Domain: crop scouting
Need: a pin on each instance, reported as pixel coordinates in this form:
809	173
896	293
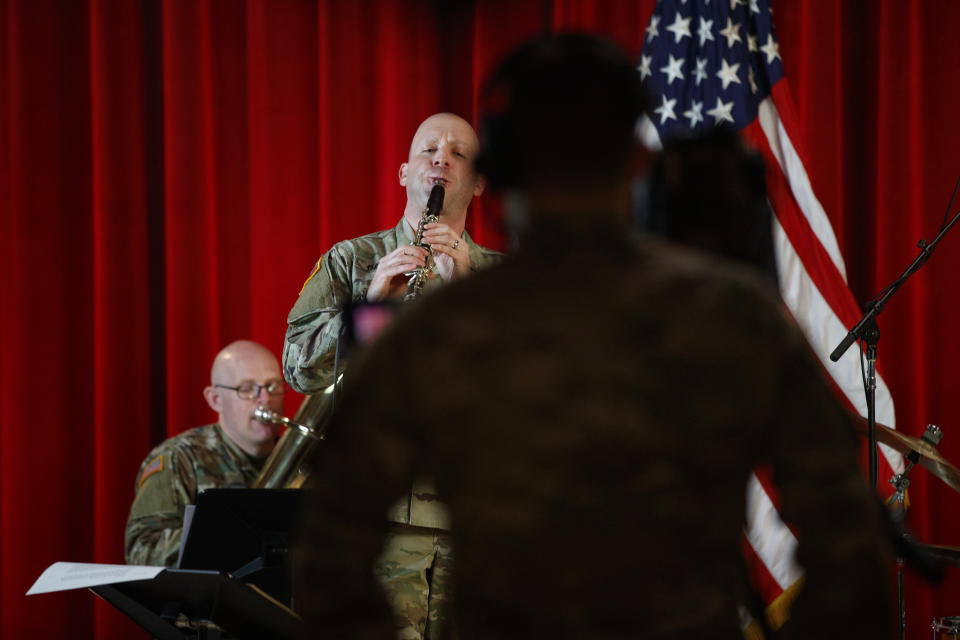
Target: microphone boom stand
866	330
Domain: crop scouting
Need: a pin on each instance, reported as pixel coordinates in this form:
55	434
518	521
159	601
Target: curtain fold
46	435
122	378
171	171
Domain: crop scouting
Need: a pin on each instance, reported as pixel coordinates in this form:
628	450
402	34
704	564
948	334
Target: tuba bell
287	467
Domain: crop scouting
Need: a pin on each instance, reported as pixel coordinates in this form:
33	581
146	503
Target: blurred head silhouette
557	126
709	192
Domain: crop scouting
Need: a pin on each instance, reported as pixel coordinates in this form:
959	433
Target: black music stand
240	610
247	533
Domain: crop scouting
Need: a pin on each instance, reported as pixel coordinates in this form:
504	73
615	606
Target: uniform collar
239	454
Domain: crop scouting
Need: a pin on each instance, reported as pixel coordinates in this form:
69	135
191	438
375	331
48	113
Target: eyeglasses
251	390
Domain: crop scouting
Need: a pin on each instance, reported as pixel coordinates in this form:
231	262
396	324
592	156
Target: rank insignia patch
310	277
152	467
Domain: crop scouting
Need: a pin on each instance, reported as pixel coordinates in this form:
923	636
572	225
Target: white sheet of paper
187	521
62	576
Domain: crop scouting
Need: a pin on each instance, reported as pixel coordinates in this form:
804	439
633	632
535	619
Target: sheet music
63	576
187	519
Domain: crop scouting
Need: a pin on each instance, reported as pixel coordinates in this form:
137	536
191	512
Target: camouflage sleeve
314	324
486	258
155	524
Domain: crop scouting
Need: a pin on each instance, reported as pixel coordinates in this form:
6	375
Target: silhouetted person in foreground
591	409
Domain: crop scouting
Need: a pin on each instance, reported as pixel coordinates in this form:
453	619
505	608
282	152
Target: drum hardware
897	516
925	450
915	450
948	626
912	448
943	553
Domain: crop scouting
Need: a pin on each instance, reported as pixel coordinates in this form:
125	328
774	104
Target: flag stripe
792	164
763	582
824	273
824	330
771	539
816	296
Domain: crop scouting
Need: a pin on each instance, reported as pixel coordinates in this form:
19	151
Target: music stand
241	610
247	533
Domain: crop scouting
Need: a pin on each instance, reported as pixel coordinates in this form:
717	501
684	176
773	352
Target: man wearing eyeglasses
229	453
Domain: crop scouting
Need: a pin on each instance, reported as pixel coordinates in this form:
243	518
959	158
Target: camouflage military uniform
342	276
594	456
170	478
415	563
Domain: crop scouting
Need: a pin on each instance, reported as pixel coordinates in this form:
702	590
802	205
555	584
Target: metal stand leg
898	513
901	608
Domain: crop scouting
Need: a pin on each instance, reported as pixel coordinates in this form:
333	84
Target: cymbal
930	458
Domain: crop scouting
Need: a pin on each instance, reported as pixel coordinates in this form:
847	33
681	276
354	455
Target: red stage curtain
170	172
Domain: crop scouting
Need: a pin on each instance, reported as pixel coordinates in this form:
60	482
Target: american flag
718	63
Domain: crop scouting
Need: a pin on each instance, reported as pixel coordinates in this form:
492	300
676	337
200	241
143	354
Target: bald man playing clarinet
414	567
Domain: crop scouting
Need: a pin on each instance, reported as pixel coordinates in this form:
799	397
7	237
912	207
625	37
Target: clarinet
431	213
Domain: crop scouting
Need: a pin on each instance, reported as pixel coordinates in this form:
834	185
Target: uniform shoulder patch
310	277
152	467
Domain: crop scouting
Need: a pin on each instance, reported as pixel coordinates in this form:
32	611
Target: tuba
431	213
287	467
